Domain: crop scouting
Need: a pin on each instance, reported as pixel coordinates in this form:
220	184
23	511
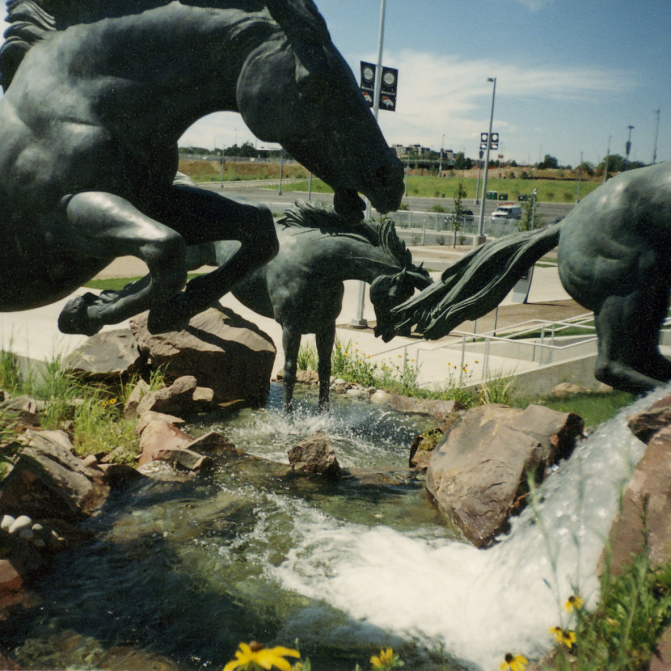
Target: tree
530	217
549	162
459	211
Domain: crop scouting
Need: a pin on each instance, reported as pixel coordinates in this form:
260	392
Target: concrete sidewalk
34	333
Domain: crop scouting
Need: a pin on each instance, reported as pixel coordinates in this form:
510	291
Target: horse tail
476	284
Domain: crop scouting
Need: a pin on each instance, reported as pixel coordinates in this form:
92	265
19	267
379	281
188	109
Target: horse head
389	290
299	91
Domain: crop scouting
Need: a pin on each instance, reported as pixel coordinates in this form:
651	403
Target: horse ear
299	19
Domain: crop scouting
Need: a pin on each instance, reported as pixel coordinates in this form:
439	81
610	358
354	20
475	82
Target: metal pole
481	226
223	160
359	319
440	164
627	149
279	193
407	169
605	177
310	187
477	188
654	151
577	197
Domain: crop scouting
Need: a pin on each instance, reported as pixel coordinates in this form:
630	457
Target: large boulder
48	480
225	352
315	455
424	406
183	396
647	498
106	354
478	472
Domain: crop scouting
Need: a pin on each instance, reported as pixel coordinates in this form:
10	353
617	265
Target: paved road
269	194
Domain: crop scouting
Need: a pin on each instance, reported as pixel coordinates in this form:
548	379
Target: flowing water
180	573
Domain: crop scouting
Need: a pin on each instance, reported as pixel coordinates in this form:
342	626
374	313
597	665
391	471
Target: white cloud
450	94
535	5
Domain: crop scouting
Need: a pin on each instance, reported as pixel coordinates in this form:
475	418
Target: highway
267	192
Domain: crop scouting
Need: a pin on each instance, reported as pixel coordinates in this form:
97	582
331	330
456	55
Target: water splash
477	604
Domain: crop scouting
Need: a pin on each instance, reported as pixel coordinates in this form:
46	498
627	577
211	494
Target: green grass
91	413
549	191
118	283
594	408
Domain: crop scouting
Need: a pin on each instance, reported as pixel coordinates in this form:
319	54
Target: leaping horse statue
613	259
98	93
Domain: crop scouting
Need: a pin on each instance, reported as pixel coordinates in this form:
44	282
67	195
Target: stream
181	572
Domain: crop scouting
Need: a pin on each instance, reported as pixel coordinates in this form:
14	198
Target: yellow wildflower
564	636
386	660
514	662
255	655
573	602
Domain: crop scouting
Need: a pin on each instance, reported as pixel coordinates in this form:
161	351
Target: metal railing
545	344
427	227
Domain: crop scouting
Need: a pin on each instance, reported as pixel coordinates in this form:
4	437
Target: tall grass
91	413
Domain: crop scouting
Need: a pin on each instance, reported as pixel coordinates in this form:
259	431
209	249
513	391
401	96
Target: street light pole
359	320
440	164
627	148
607	158
654	151
481	227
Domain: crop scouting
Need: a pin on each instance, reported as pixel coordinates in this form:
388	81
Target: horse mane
29	23
306	214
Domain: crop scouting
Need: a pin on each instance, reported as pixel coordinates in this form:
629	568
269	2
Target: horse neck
356	260
191	54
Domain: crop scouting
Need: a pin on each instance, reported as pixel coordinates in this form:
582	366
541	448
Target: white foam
478	604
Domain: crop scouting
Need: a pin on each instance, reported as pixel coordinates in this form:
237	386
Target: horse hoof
74	317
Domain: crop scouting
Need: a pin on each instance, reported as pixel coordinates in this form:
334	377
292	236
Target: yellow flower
384	659
573	602
256	655
514	663
564	636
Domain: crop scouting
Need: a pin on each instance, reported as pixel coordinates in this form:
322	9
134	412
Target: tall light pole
627	148
440	164
605	177
359	320
577	196
481	227
654	151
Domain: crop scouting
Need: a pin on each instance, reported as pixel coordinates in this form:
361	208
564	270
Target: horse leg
107	225
325	339
291	342
628	331
202	216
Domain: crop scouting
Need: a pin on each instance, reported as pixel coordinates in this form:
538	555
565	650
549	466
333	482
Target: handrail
546	350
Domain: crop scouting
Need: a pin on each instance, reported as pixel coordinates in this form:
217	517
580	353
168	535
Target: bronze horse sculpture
613	259
302	287
97	95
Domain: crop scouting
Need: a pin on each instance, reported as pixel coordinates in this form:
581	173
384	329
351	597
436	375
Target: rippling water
183	572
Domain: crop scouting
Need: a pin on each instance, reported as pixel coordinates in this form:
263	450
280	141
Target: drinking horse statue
302	287
97	95
613	259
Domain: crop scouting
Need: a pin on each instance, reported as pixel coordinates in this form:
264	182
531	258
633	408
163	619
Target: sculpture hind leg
628	330
107	225
324	340
291	342
202	216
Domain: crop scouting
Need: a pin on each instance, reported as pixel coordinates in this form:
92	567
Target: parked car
507	211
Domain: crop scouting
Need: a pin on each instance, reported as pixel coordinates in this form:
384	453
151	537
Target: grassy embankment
552	188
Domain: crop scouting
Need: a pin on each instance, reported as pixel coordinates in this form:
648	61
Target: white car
507	212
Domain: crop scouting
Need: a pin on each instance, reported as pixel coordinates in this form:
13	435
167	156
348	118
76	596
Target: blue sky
570	74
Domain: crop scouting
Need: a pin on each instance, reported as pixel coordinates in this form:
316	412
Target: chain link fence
437	228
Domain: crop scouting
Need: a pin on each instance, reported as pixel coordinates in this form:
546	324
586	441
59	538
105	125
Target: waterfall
477	605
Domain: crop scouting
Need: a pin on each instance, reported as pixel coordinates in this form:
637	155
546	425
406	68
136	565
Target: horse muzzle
386	187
